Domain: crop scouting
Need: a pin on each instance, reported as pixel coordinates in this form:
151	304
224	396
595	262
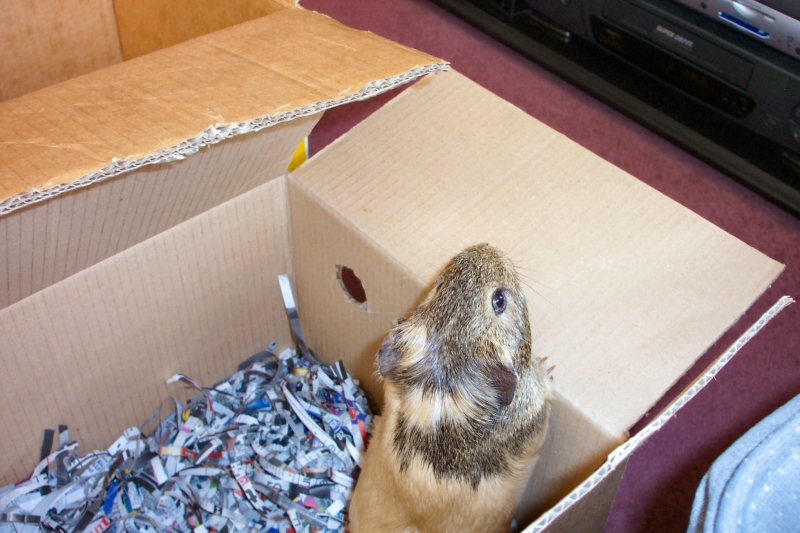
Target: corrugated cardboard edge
213	135
622	453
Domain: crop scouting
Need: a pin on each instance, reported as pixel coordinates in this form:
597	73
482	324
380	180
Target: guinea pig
466	407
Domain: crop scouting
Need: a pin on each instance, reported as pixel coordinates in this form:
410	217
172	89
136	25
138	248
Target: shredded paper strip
273	448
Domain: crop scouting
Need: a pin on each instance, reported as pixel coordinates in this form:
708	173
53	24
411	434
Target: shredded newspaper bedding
273	448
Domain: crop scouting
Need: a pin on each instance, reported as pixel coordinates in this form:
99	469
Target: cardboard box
146	214
49	41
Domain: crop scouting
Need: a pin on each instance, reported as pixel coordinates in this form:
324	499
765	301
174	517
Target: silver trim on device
763	23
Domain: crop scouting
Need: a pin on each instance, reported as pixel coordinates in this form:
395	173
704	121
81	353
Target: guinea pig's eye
499	301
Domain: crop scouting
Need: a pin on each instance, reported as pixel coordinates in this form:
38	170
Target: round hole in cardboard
351	286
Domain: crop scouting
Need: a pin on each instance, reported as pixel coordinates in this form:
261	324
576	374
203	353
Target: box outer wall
342	188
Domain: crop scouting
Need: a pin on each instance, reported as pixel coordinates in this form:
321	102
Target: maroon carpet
659	484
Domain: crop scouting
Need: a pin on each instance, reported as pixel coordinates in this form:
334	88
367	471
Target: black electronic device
721	78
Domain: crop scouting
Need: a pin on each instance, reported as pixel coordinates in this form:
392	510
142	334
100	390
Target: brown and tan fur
466	407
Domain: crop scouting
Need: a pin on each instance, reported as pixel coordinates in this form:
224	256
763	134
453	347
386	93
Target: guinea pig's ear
388	356
504	382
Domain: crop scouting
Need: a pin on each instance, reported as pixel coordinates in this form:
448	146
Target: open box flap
173	101
626	287
273	76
